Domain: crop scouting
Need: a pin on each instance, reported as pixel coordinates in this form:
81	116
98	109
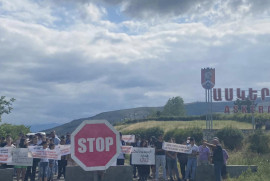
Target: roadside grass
248	158
169	125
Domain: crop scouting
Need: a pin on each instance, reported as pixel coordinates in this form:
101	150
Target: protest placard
20	156
128	138
5	154
39	152
126	149
143	156
176	148
64	149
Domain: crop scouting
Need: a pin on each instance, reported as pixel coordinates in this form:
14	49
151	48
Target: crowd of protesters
42	169
46	169
166	161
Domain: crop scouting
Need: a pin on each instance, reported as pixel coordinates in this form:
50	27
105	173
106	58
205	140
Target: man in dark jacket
218	159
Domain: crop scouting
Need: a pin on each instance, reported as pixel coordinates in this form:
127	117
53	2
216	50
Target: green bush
259	142
13	130
146	133
181	135
231	137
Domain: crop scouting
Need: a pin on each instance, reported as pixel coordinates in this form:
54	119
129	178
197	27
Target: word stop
94	144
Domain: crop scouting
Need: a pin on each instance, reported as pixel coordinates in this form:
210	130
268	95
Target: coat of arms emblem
208	78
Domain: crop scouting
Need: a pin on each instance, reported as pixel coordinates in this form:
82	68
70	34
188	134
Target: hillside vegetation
170	125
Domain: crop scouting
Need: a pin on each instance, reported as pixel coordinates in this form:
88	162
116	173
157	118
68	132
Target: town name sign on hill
250	94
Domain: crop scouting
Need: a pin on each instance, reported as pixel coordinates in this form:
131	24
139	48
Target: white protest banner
39	152
20	156
143	156
5	154
64	149
126	149
128	138
176	148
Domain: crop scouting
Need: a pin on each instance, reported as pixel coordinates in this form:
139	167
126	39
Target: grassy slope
239	157
168	125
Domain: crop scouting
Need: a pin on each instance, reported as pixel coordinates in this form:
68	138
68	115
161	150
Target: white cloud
63	70
27	10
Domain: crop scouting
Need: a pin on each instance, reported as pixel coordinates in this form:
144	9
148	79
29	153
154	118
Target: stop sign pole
95	145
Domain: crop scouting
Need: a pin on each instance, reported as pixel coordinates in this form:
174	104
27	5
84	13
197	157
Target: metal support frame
209	105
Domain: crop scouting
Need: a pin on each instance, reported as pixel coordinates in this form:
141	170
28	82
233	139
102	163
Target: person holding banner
160	157
21	170
192	160
32	174
44	164
143	170
172	162
121	157
9	144
51	164
62	164
182	159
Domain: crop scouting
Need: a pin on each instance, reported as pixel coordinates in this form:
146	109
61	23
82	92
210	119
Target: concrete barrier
207	172
6	174
114	173
237	170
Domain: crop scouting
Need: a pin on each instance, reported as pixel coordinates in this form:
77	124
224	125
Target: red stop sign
95	145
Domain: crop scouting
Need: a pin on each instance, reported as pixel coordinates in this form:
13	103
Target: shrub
145	133
13	130
259	142
231	137
182	134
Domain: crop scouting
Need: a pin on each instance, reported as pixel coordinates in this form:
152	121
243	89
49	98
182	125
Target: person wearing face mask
192	161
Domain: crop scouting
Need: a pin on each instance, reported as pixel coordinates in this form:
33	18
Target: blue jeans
161	160
191	168
217	168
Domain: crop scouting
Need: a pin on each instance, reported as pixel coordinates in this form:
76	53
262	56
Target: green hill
192	109
111	116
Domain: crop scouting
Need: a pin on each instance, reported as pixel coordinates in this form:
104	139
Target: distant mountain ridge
38	127
111	116
192	109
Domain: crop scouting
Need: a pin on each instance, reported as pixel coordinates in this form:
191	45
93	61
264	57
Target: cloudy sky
68	59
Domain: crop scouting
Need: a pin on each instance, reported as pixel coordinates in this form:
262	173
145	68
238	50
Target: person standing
21	170
224	167
134	167
51	164
68	142
9	144
160	157
31	171
192	160
151	144
182	159
56	140
204	154
121	157
172	162
218	159
44	164
62	164
143	170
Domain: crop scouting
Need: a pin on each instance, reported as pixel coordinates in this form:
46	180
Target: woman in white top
44	164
